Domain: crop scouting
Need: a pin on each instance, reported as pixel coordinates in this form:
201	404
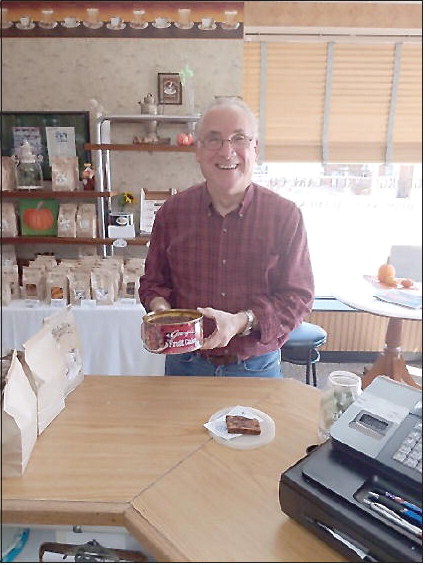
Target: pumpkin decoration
386	274
38	217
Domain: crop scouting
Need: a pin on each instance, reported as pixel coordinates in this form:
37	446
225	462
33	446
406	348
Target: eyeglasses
237	141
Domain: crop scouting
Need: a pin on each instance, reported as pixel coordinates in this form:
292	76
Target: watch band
250	323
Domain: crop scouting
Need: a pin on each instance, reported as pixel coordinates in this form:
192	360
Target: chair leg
314	375
307	371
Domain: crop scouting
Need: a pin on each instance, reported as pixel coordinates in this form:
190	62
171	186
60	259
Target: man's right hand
158	304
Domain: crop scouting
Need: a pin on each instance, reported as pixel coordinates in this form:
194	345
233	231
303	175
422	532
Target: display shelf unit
74	194
151	147
54	240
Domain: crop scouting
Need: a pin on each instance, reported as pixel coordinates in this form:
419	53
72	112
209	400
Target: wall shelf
78	194
53	240
140	147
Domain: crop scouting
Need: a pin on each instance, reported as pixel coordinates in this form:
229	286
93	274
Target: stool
301	348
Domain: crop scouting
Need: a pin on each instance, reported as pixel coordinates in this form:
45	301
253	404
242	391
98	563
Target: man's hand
227	326
158	304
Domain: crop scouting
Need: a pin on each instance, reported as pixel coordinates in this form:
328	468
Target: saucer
77	23
161	26
209	28
116	28
6	25
47	25
20	26
229	27
138	26
184	26
93	25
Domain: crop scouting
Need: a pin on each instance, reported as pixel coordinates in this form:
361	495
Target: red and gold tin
172	331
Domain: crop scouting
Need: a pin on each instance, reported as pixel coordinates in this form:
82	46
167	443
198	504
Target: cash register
361	490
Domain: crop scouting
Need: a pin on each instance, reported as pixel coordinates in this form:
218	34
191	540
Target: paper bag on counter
18	419
65	331
47	371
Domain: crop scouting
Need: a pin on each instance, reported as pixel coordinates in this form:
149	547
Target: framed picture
169	88
34	126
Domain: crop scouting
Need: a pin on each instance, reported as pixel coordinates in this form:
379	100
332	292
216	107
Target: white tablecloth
109	335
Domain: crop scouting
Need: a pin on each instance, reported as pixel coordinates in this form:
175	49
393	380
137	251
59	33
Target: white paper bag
48	373
65	331
18	419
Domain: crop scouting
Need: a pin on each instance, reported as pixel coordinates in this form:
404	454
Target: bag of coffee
18	419
67	222
8	177
79	286
33	283
9	222
102	284
57	285
86	220
65	173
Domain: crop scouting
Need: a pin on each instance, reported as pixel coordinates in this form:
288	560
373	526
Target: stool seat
301	347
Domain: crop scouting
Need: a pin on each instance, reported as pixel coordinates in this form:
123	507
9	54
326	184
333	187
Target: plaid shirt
255	257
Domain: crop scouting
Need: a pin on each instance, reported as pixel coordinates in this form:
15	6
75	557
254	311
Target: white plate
47	25
245	441
20	26
6	25
209	28
93	25
77	23
184	26
161	26
229	27
138	26
116	28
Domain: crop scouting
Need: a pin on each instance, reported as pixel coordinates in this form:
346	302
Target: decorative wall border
177	20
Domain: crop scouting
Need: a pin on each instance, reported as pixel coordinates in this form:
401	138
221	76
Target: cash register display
371	423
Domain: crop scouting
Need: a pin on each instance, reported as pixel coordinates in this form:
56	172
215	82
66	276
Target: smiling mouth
227	167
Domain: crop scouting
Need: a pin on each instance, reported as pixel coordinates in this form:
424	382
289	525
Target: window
353	213
340	126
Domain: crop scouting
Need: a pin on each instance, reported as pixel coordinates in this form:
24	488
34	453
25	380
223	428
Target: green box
38	216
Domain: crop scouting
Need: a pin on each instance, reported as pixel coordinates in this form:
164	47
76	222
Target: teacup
161	22
47	17
70	21
138	16
25	21
207	23
116	21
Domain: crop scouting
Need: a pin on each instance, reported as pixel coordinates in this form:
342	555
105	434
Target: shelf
140	147
160	118
51	240
34	193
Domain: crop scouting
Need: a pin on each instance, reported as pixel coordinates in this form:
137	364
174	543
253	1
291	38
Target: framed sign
169	88
34	126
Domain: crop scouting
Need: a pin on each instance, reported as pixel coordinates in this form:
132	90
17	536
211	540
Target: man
234	250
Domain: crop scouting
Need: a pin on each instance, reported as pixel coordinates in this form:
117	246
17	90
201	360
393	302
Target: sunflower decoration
125	199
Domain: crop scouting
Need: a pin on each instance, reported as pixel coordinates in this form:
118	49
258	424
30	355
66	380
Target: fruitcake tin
172	331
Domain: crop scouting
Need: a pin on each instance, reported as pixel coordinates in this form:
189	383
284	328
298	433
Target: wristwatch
251	317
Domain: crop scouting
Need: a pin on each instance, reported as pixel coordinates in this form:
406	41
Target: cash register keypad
410	451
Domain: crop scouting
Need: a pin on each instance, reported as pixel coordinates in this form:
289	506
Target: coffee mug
230	17
138	16
184	16
47	16
92	15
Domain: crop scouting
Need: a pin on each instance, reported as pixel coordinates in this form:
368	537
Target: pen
393	517
401	500
397	507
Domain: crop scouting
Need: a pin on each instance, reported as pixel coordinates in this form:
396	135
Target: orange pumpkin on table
386	274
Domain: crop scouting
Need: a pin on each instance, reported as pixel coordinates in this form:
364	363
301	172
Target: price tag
58	302
31	303
87	303
127	301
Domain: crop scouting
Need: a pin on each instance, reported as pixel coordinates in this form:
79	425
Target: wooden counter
133	452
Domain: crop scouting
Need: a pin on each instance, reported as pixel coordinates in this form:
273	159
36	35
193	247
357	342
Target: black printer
361	490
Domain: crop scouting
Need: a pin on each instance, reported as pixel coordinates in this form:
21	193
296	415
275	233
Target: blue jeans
193	365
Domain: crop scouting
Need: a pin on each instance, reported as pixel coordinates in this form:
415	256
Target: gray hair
229	102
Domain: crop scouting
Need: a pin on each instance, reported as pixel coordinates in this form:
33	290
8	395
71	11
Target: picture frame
169	88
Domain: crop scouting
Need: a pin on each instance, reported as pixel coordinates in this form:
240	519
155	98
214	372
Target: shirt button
223	294
224	261
225	230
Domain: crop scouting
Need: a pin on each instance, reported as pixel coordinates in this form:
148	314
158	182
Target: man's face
226	167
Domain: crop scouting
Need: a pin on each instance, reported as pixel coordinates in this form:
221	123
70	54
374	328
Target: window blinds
336	102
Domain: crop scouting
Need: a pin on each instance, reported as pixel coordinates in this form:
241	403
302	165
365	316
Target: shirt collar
243	206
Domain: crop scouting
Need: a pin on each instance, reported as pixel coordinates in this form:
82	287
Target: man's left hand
227	326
